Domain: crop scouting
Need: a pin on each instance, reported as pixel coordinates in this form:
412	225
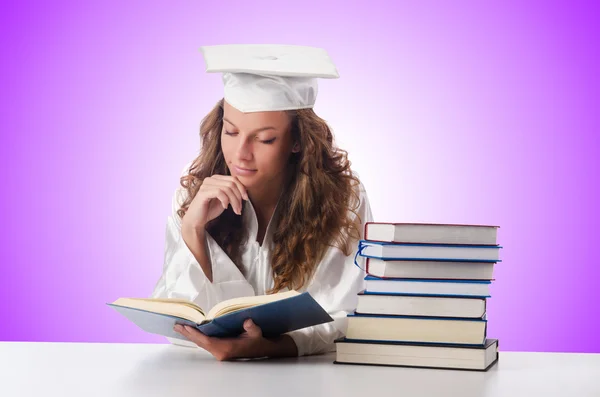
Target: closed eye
267	142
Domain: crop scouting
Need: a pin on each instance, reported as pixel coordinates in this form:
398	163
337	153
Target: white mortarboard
267	77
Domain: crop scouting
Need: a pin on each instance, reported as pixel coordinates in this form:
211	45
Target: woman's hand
214	196
250	344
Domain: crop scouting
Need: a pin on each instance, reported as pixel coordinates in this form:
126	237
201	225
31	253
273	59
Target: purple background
451	112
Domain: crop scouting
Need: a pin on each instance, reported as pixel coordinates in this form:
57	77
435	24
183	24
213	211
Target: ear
296	148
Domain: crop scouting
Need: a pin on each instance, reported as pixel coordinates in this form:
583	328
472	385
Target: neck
264	199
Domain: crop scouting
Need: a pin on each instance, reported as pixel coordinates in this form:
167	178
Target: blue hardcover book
424	251
428	287
275	314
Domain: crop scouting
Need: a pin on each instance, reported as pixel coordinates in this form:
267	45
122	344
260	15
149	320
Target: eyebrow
255	131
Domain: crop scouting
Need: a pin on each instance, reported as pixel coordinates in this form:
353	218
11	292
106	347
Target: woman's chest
256	267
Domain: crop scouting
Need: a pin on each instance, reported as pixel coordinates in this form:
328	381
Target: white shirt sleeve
335	286
183	278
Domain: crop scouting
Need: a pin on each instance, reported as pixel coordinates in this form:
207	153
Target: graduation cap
268	77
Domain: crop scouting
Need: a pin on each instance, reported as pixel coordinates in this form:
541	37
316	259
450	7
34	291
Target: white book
410	305
430	269
416	329
436	233
472	288
440	356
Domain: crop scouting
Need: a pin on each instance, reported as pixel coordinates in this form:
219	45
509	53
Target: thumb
252	329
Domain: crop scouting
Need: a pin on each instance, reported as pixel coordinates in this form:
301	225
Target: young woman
270	204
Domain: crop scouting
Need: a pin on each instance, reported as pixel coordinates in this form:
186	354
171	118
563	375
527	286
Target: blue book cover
450	296
274	318
391	251
428	287
427	280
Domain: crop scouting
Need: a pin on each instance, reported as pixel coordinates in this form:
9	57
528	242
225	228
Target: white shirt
334	285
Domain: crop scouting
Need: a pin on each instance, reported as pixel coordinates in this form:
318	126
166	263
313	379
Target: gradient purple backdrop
451	112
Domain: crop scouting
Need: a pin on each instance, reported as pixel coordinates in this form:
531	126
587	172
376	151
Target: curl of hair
320	199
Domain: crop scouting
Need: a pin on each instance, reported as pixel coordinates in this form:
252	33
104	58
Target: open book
275	314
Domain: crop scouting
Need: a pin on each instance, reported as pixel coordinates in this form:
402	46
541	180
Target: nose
244	150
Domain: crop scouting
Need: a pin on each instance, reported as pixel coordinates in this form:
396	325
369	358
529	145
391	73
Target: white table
80	369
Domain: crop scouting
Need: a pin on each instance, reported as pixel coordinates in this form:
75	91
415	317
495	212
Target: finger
252	329
231	189
220	349
235	187
240	186
234	199
211	193
222	196
226	198
198	337
194	335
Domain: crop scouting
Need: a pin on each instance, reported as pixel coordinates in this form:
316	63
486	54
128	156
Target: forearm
282	346
196	241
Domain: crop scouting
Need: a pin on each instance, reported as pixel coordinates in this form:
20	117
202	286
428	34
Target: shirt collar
251	220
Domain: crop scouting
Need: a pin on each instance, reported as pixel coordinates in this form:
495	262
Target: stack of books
424	304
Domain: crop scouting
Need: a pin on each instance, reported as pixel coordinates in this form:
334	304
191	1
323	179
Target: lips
243	171
244	168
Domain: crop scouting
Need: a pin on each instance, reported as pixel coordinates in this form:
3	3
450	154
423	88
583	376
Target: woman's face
256	146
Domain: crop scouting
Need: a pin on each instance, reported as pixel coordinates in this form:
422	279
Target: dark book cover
488	343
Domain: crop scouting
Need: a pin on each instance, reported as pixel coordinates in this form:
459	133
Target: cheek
271	159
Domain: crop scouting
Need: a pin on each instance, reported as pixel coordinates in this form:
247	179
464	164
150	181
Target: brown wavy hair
319	198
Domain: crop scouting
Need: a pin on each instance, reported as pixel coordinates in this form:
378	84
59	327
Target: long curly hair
319	199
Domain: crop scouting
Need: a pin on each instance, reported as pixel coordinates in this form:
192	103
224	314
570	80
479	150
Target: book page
235	304
173	300
173	307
